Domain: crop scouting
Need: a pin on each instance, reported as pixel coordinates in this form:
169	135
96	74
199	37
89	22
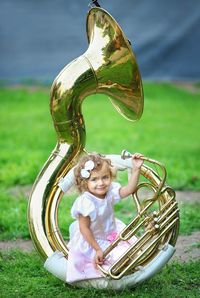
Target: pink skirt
81	266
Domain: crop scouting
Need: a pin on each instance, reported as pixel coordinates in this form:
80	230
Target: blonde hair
99	160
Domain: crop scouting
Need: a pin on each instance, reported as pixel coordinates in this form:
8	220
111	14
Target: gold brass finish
109	67
159	227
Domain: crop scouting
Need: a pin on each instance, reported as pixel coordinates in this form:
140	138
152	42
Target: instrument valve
155	213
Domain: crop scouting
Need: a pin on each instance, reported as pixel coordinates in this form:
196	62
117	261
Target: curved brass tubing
109	67
159	227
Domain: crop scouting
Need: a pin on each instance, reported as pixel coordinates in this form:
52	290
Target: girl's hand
98	259
137	161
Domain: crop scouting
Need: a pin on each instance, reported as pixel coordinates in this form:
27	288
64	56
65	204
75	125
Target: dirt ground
187	247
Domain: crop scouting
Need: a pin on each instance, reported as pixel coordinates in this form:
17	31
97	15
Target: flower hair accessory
85	172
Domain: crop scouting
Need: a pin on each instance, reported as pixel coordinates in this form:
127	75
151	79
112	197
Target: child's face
99	181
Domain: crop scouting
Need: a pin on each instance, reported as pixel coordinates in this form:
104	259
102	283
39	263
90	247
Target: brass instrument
109	67
156	223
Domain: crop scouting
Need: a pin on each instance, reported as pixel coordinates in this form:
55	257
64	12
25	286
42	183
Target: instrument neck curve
75	82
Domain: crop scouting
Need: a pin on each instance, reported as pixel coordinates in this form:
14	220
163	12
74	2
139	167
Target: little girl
95	226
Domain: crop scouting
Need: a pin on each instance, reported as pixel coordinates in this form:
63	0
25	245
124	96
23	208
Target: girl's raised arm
130	188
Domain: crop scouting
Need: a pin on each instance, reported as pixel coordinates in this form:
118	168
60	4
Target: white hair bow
85	172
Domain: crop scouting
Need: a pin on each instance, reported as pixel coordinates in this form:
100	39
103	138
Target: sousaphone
108	67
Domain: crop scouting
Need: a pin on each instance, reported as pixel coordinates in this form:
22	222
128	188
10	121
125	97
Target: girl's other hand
98	259
137	161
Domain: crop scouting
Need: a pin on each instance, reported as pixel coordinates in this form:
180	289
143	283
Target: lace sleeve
83	206
114	192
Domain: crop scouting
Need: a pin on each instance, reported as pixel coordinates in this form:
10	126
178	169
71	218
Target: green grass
27	135
13	221
167	131
22	275
189	217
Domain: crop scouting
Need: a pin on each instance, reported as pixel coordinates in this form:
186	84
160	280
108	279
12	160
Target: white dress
104	227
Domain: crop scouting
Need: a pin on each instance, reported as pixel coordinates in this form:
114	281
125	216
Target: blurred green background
168	131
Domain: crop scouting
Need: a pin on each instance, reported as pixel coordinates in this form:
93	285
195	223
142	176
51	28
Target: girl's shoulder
113	192
115	185
83	205
114	188
84	198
